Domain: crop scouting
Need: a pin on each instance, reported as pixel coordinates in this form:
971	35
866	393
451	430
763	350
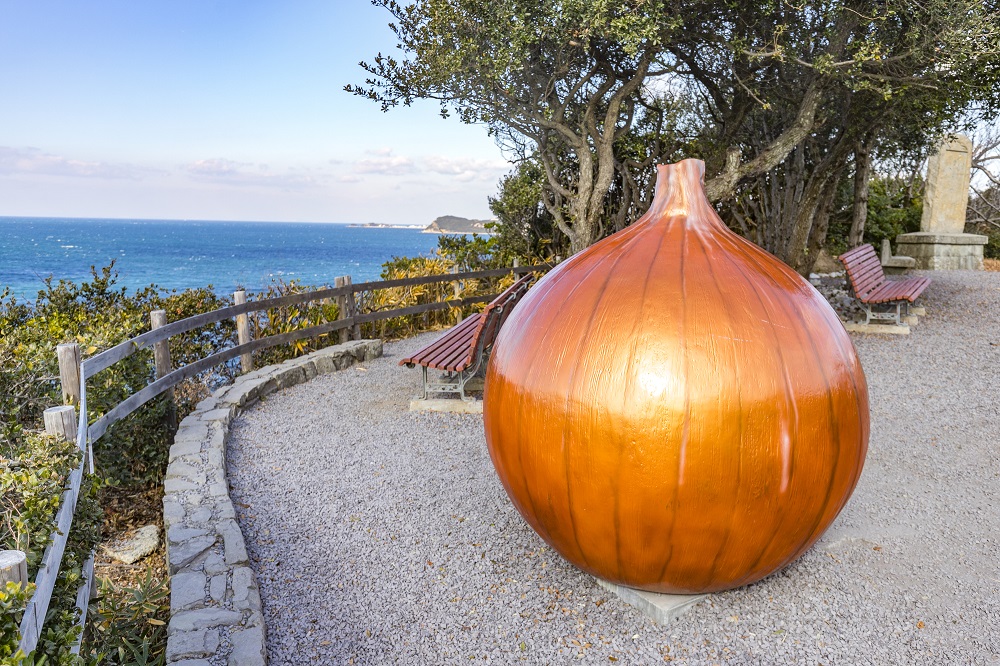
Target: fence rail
75	373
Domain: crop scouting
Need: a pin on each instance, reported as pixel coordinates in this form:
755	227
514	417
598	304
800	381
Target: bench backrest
460	347
496	313
864	269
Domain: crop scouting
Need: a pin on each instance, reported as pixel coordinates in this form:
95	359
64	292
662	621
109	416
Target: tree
745	85
984	208
525	229
983	214
843	81
560	80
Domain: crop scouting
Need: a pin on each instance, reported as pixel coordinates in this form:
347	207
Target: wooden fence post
517	262
13	567
352	308
457	292
69	372
243	330
161	359
61	422
345	334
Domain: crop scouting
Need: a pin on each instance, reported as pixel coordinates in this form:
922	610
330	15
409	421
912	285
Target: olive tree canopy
742	84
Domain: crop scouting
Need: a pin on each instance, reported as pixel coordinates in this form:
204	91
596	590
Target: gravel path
380	536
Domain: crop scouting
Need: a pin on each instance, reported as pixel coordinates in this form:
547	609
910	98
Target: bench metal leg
896	317
424	368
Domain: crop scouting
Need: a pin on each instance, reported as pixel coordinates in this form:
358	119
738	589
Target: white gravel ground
381	536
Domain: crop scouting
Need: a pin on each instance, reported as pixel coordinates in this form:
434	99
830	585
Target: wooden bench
461	350
870	287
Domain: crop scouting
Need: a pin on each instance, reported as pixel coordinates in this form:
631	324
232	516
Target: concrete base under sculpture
943	252
447	405
660	608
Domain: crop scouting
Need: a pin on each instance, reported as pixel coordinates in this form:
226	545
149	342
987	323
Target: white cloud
34	161
386	165
231	172
461	169
465	169
216	168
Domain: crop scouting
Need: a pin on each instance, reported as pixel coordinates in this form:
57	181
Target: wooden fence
75	372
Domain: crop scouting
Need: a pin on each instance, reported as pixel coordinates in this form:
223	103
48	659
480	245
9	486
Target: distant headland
446	224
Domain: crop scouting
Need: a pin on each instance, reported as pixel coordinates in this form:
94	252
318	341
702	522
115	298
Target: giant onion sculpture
674	409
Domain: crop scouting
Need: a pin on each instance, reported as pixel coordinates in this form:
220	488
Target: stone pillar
941	244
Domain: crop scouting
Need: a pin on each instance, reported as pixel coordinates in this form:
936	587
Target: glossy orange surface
673	408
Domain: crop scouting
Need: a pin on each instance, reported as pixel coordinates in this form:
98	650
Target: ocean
182	254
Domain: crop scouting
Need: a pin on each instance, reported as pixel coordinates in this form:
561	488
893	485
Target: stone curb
215	604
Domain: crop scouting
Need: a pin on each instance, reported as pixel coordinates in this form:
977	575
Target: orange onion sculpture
674	409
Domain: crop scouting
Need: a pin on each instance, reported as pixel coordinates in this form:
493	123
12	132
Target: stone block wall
942	252
215	604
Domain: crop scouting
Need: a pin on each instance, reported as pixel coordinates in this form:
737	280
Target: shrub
289	318
127	626
33	473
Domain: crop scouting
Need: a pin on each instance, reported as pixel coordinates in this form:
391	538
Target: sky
221	110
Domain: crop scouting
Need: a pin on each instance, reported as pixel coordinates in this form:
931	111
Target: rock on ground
131	549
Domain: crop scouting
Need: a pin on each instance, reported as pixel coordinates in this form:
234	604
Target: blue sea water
185	254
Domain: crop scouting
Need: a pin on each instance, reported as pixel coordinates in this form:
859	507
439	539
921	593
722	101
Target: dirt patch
127	509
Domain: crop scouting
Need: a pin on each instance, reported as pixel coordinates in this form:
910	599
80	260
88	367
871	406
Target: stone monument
941	243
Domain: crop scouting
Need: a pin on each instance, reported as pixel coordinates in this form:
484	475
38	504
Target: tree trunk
821	222
862	176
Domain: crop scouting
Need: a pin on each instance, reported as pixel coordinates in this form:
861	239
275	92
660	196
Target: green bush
290	318
892	210
33	473
128	627
13	599
97	314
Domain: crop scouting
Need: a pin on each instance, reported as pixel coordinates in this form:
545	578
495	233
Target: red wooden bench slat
489	325
863	262
864	270
456	349
464	329
853	251
866	282
902	290
442	345
867	264
455	357
448	349
461	355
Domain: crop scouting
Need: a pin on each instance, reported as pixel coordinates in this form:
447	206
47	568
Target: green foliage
892	211
475	253
992	248
525	229
775	96
96	314
894	208
33	472
289	318
99	314
127	627
399	268
454	254
13	599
